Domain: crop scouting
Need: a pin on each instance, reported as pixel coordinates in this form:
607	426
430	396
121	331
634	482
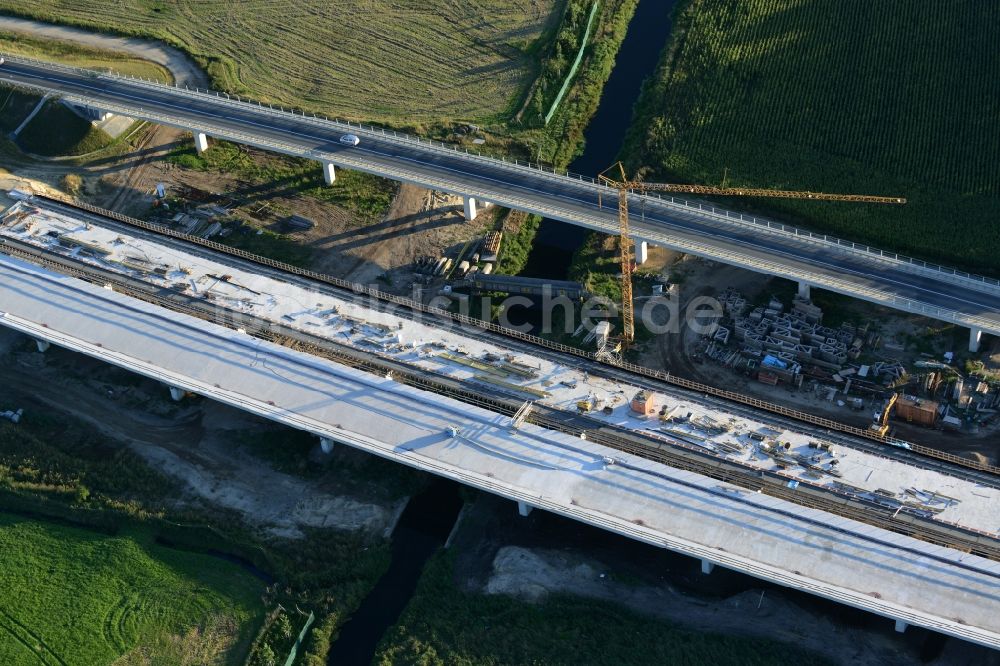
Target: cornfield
897	97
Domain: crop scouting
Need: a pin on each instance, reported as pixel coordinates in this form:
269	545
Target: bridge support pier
470	207
804	290
975	335
200	141
641	252
707	567
43	345
326	445
901	626
523	508
329	174
177	394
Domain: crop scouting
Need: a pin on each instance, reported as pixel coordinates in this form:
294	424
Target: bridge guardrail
979	282
732	217
603	225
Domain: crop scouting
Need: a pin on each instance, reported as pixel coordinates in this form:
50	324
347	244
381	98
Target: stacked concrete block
794	336
807	310
833	354
741	327
754	341
733	303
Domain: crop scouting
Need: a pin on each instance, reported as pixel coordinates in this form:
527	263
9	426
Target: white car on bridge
350	140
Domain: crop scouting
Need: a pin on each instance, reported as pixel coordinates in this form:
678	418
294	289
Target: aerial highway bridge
811	260
210	321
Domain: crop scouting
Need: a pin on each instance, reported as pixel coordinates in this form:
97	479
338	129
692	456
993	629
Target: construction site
848	397
874	368
804	439
54	232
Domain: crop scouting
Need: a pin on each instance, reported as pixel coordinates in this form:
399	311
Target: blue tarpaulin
774	362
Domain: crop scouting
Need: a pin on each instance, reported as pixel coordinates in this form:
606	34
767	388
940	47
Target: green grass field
59	472
71	596
443	625
398	62
15	105
897	98
367	196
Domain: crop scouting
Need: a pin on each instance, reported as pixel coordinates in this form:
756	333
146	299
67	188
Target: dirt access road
419	223
157	141
184	70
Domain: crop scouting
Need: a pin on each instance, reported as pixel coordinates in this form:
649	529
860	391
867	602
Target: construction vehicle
625	186
881	424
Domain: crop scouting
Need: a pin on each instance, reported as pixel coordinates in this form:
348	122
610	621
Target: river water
430	516
422	529
637	59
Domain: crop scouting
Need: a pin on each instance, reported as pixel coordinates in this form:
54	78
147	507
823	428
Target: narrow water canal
637	59
422	529
430	516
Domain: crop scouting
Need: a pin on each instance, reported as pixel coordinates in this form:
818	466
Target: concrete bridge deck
892	575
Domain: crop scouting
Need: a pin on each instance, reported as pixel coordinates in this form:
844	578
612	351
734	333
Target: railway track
660	448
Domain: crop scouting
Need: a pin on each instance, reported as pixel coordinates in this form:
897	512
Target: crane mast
624	185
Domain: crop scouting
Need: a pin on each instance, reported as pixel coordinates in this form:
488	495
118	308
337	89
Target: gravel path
184	69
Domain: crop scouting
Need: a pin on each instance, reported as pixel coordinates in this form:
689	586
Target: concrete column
326	444
523	508
177	394
641	252
43	345
707	567
470	208
804	290
901	626
975	335
329	175
200	141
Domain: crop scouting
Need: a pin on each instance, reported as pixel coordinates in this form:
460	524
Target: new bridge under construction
871	522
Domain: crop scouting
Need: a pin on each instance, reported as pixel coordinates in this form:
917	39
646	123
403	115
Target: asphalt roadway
564	198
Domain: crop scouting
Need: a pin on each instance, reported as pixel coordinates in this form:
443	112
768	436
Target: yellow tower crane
625	186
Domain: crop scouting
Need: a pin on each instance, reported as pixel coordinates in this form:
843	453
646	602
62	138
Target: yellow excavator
881	425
